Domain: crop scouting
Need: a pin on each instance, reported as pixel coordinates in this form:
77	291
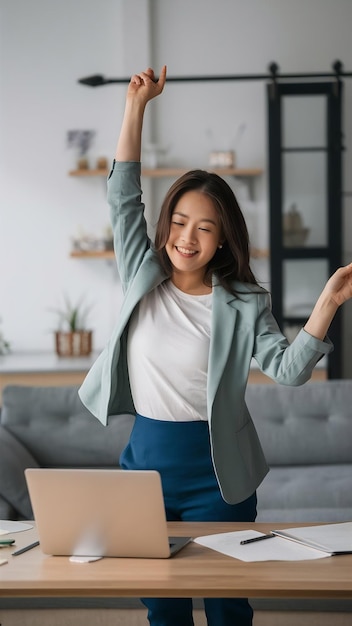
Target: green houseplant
4	345
72	338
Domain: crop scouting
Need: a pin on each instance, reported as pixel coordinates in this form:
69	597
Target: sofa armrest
14	459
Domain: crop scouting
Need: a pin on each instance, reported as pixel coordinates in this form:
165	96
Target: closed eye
177	223
207	230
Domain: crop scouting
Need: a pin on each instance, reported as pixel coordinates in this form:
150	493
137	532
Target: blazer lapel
147	278
223	322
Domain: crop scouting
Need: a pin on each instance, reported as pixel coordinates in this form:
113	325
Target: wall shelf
89	172
92	254
170	172
256	253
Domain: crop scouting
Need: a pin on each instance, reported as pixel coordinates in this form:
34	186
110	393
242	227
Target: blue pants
180	452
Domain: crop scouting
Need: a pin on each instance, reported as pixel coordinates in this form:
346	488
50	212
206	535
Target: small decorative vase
72	344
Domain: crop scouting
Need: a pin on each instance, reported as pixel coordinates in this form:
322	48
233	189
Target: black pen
259	538
26	548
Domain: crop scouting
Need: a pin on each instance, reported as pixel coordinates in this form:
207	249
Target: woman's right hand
144	86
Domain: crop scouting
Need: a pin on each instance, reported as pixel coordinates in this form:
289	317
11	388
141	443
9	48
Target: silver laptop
99	512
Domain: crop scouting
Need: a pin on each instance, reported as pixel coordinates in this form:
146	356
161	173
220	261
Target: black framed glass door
305	201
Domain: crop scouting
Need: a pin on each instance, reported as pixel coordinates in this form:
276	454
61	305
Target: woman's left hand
337	290
339	285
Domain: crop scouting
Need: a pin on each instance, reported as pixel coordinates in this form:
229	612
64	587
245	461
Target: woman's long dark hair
229	263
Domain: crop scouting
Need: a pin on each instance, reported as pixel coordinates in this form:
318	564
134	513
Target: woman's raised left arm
337	290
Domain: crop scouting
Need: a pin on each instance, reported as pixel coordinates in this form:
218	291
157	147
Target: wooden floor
134	617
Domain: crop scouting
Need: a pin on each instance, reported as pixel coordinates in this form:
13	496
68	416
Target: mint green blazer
242	328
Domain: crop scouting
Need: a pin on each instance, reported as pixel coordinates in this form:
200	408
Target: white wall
45	46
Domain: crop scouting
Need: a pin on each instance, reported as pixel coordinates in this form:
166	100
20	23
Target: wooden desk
195	572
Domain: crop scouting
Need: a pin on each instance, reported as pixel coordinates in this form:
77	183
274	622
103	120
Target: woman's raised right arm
142	88
124	185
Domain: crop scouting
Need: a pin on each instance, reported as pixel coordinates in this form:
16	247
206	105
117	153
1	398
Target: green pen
6	542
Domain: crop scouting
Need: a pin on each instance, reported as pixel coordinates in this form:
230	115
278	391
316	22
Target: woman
192	319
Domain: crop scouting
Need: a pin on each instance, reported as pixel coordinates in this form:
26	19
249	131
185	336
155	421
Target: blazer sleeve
131	241
288	364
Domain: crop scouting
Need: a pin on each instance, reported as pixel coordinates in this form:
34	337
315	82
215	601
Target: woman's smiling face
195	234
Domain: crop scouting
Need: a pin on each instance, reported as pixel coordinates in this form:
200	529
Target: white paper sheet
7	526
333	538
274	549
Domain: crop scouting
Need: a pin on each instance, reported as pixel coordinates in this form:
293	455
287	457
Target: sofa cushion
6	510
304	425
14	459
53	424
311	493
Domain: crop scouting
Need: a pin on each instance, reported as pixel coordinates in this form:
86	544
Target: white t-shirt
167	352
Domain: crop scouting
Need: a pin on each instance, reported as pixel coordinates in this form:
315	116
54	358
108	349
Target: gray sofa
306	434
49	427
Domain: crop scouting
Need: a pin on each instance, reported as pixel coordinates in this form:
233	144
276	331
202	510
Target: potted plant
72	337
4	345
